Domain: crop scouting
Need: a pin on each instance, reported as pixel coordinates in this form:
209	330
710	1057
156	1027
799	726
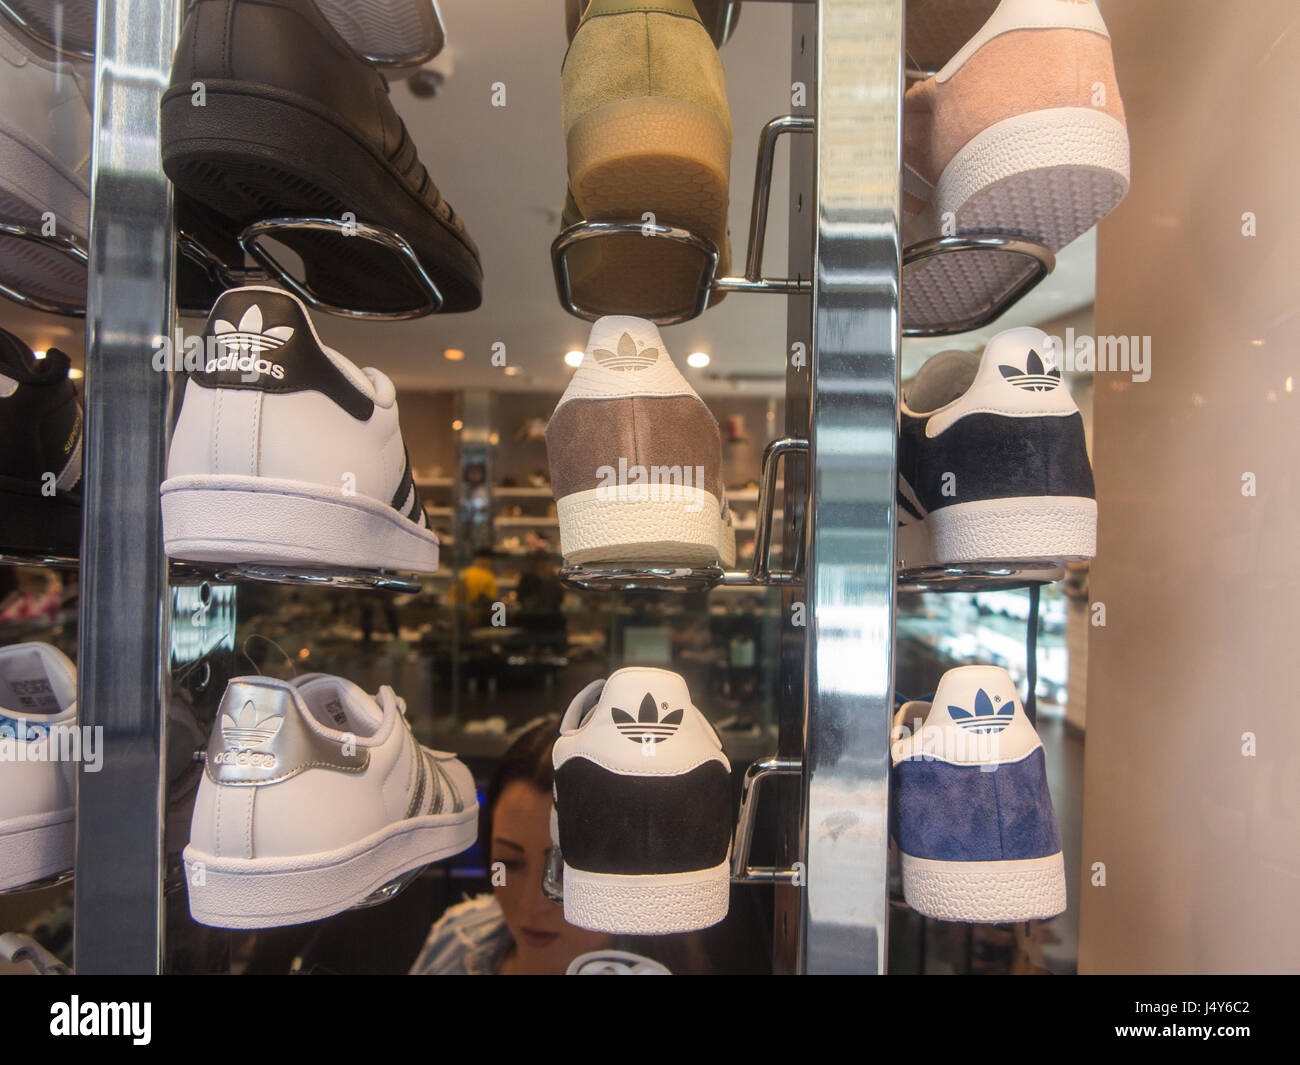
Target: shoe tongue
943	378
30	685
17	363
339	704
969	694
645	694
621	342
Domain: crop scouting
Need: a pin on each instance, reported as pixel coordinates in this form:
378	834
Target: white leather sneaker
286	452
642	808
315	796
38	693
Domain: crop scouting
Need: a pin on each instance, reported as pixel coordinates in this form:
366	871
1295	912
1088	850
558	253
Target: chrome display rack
190	573
70	247
641	576
1040	260
254	238
709	282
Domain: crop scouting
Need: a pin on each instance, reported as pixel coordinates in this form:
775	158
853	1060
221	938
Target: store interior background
470	683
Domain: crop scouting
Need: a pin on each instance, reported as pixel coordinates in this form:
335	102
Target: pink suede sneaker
1021	133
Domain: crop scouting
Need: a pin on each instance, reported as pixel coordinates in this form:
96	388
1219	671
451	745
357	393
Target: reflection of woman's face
521	837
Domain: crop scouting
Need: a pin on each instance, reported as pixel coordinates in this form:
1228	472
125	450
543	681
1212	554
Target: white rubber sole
1054	529
36	847
654	904
1046	176
985	892
387	31
228	518
271	892
677	525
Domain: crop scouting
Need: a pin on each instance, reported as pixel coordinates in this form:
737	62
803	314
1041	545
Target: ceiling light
38	354
454	354
75	374
514	371
494	439
574	358
698	359
457	426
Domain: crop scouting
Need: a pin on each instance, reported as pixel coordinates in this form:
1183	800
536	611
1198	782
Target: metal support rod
763	186
118	901
852	485
741	870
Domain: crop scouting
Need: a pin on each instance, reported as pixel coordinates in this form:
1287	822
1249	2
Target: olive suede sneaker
647	131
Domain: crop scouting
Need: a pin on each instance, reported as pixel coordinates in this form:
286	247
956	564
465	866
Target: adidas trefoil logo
647	727
1034	377
241	346
246	732
985	719
628	358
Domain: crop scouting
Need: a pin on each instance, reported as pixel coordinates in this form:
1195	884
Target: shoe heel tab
262	339
262	736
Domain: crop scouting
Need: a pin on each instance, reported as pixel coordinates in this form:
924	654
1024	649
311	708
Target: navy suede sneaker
972	815
992	463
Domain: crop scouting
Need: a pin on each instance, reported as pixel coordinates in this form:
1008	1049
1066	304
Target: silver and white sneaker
642	808
44	167
286	452
38	694
316	795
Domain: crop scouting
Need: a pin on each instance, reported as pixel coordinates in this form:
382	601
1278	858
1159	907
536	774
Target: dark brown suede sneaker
270	114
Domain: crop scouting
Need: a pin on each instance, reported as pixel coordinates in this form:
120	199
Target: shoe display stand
67	246
255	239
813	816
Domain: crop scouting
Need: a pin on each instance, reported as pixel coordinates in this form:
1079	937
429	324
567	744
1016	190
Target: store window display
410	510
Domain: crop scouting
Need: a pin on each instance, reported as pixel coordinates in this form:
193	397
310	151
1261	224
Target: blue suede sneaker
972	815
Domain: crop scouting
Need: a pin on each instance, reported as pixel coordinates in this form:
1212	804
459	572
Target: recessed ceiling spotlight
457	426
454	354
574	358
698	359
514	371
75	374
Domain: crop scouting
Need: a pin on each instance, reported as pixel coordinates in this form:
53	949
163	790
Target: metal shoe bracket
669	578
181	573
11	558
1043	263
980	576
741	871
752	281
251	241
31	31
69	246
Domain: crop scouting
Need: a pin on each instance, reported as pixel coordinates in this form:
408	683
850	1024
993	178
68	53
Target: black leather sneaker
40	453
270	114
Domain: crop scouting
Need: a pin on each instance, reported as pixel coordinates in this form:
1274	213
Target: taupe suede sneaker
636	457
647	130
